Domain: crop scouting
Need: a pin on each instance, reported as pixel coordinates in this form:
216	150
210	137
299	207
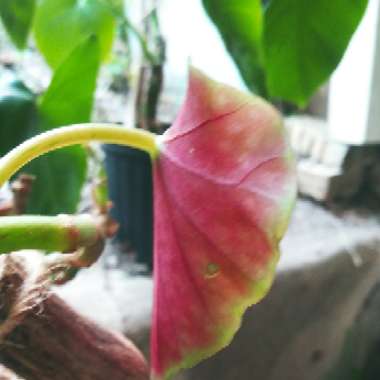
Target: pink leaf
224	187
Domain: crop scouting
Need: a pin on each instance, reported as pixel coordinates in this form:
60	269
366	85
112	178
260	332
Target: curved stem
71	135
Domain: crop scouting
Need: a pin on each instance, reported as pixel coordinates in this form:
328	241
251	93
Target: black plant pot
129	174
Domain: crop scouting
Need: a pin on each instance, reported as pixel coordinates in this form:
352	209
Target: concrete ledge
329	265
328	170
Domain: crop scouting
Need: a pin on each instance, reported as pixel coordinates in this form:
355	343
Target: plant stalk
62	233
71	135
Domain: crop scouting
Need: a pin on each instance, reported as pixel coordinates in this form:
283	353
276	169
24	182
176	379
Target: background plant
285	49
75	38
25	114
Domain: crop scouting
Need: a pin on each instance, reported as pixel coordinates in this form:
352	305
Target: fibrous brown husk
42	338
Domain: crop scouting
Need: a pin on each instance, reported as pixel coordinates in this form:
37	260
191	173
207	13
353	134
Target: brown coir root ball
42	338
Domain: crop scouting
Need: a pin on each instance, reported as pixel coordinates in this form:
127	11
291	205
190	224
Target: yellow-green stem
61	233
71	135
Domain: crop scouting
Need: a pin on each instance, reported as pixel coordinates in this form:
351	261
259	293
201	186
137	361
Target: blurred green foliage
17	113
304	41
17	17
61	174
240	24
74	36
60	25
286	49
69	97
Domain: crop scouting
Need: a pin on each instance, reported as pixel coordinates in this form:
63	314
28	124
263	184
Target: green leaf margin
17	18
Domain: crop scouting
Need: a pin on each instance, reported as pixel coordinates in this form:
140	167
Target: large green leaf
17	16
240	25
61	24
17	113
68	100
304	41
69	97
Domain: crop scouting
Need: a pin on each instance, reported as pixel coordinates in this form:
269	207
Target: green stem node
63	233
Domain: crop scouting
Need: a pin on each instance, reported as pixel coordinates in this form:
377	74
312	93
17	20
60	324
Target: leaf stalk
72	135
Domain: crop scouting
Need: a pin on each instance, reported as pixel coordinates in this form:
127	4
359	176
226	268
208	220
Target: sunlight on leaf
60	25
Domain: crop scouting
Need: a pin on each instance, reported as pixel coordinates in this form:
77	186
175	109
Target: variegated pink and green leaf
224	187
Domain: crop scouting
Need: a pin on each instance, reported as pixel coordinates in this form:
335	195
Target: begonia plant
224	187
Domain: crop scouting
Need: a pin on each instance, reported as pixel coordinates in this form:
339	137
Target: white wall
192	37
354	97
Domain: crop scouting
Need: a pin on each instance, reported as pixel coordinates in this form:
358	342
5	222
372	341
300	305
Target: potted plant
99	30
207	201
224	186
128	169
